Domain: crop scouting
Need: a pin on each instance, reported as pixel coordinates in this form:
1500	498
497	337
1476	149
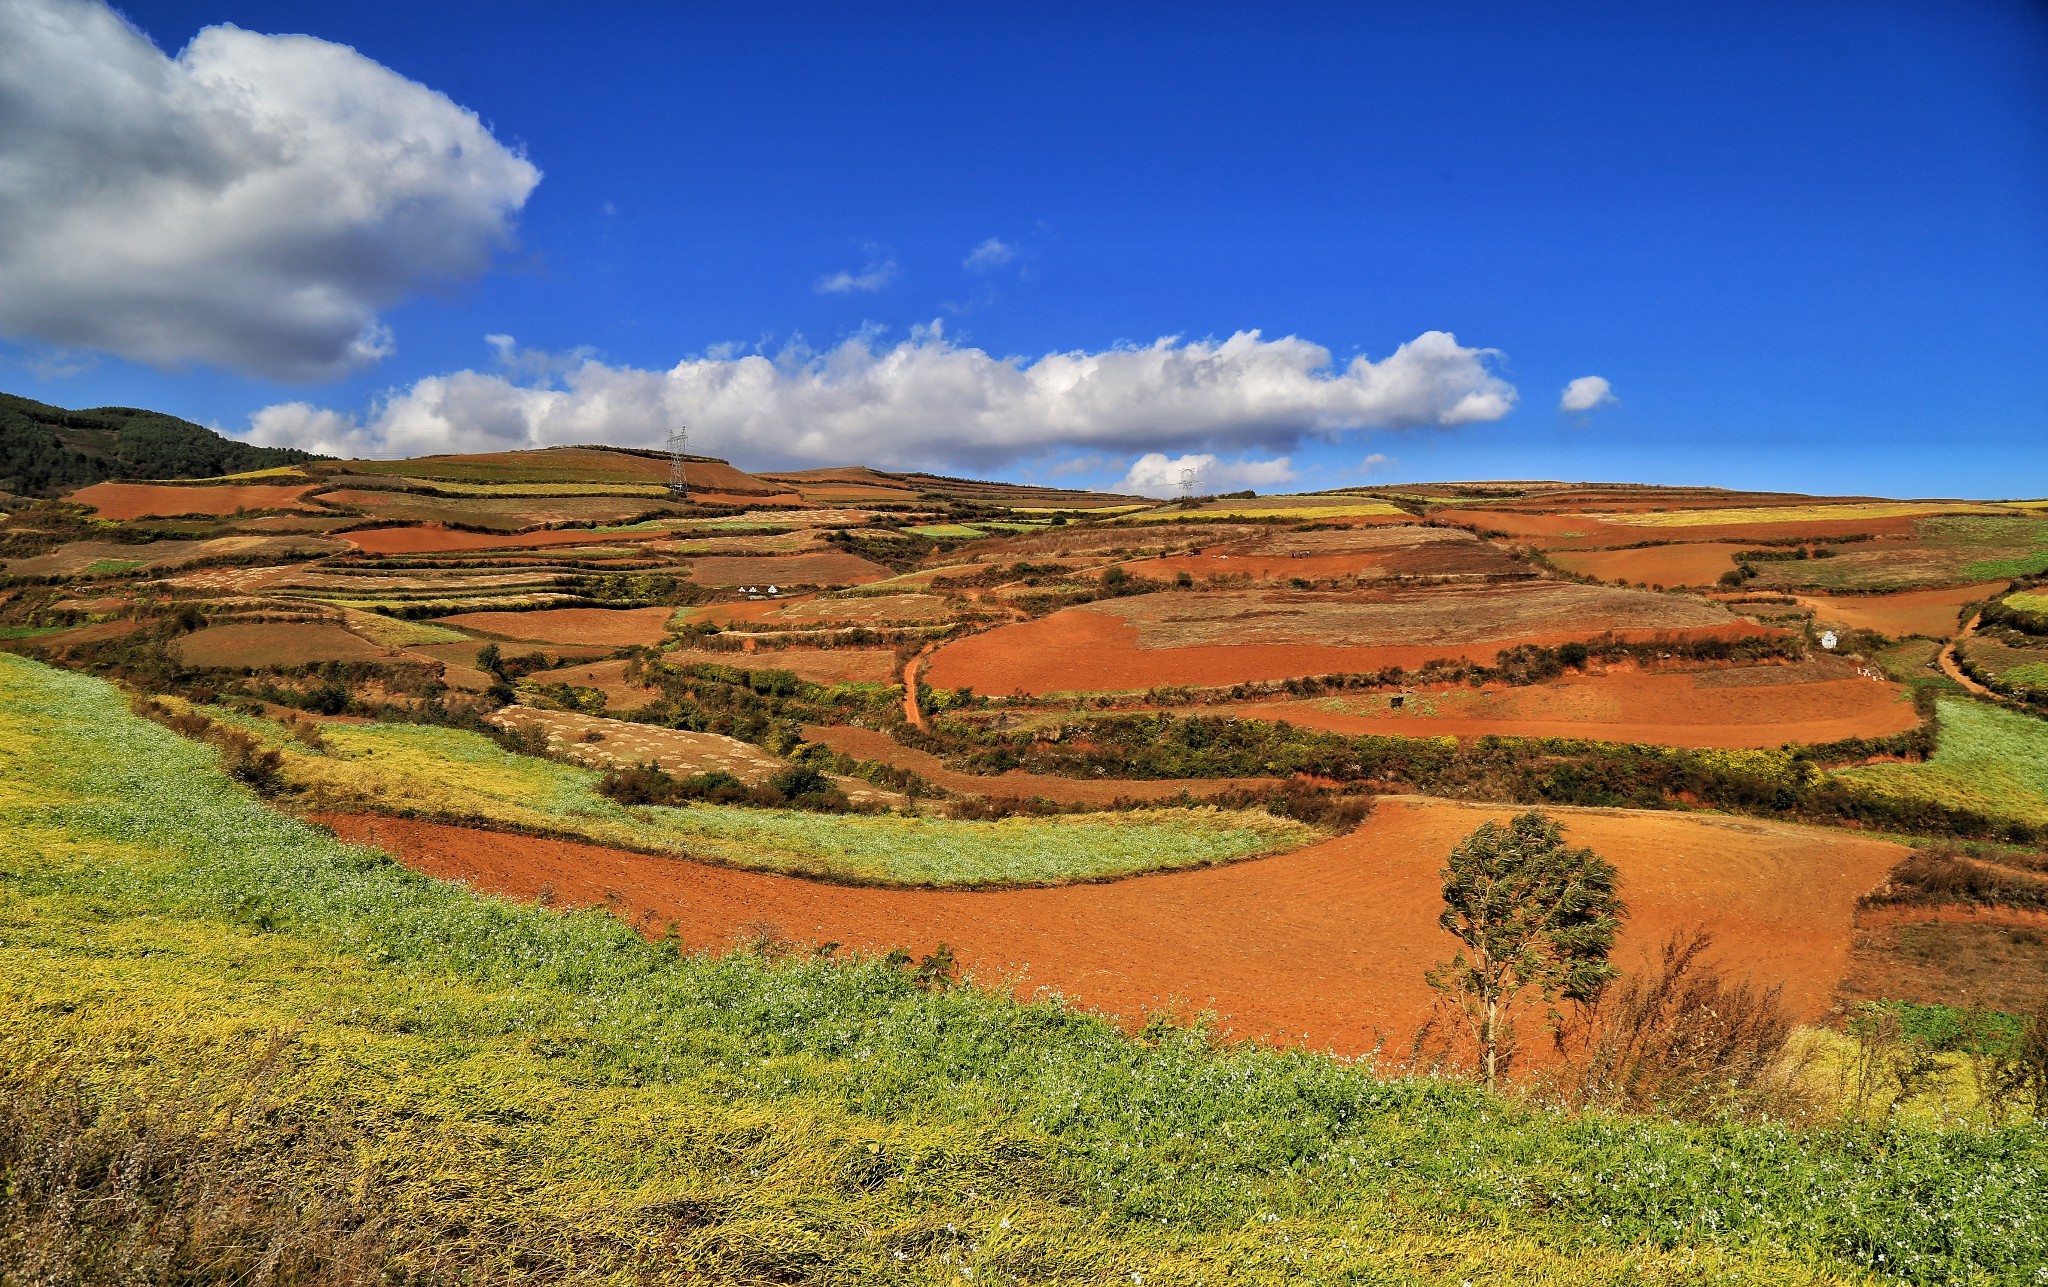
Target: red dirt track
1321	947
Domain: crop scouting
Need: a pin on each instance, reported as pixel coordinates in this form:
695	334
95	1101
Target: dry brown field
1931	613
818	665
1699	563
262	644
146	500
1825	700
827	568
609	627
503	514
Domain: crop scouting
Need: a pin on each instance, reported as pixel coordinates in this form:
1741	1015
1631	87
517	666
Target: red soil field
831	567
1700	563
615	627
145	500
274	643
1912	612
873	744
1089	650
1324	947
1759	706
432	538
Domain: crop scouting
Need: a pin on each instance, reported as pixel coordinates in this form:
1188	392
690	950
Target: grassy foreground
300	1054
449	773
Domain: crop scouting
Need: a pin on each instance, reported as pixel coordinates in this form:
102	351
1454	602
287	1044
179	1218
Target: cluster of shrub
243	757
1326	808
800	786
1782	783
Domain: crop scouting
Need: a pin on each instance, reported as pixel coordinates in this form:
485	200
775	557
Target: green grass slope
1991	761
229	1044
452	774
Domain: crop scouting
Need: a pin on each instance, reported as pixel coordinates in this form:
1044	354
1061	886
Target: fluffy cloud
1154	474
869	279
927	402
1586	393
253	203
992	253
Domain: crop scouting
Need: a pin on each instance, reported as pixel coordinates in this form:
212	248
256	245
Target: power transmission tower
678	476
1187	485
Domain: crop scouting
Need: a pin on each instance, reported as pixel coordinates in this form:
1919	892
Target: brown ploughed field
614	627
1579	531
1748	706
433	538
1358	551
154	500
274	643
1229	637
831	567
818	665
1932	613
1323	947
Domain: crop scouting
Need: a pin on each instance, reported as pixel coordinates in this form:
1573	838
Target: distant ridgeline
45	450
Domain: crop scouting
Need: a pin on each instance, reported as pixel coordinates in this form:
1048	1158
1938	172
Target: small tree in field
1532	913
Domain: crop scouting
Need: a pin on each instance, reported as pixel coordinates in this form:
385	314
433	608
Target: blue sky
1806	244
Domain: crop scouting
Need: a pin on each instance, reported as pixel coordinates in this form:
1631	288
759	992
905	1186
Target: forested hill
45	450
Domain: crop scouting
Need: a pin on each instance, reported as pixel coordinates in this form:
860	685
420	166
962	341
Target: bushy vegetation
1793	782
456	775
372	1073
46	449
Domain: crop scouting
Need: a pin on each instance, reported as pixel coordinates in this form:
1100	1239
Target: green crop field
1989	760
450	773
318	1053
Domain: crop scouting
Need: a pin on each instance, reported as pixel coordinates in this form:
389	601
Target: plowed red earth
616	627
1914	612
832	567
1083	651
432	538
1696	563
1736	708
1323	947
146	500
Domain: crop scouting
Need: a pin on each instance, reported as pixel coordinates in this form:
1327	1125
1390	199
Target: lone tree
1532	913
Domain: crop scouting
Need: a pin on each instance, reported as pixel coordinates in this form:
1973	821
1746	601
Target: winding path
1947	657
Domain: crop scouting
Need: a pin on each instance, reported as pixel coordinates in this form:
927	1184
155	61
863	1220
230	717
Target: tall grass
1986	760
528	1096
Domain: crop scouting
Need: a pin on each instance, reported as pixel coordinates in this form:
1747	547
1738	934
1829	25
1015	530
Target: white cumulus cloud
991	253
1156	474
869	279
1586	393
253	203
927	402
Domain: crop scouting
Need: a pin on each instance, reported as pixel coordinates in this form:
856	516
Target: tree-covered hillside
45	450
